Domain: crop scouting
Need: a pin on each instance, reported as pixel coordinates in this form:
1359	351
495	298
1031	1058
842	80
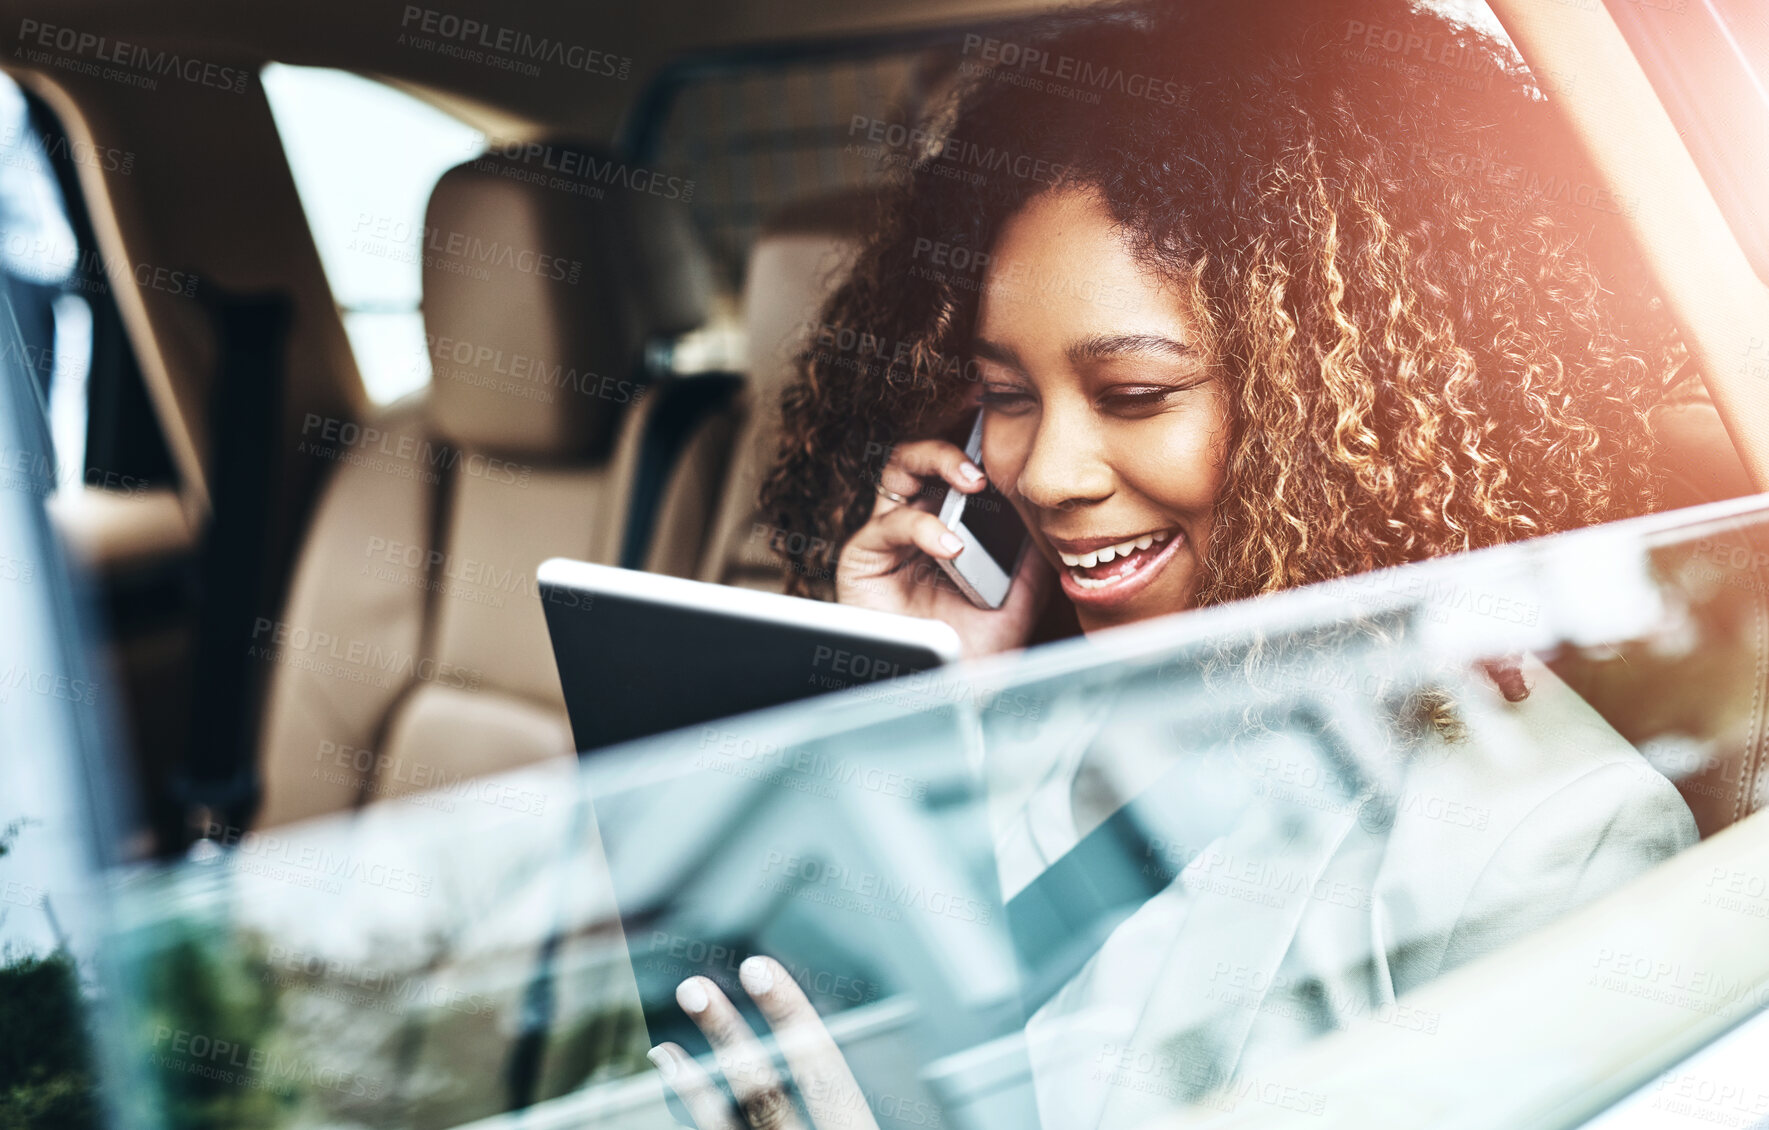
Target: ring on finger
887	492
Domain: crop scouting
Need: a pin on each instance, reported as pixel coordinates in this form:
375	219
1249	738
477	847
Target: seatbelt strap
219	786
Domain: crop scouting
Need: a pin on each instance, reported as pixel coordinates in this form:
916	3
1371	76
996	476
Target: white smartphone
994	538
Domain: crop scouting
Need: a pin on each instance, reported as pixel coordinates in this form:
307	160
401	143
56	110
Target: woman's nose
1066	467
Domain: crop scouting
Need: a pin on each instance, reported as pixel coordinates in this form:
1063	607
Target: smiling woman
1319	312
1105	423
1306	299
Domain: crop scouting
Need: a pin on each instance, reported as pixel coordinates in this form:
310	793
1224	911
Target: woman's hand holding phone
890	562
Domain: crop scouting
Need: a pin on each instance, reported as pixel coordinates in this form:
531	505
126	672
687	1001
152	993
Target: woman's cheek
1172	466
1194	457
1006	440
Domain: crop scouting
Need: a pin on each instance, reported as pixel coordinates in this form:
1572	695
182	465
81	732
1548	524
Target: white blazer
1309	912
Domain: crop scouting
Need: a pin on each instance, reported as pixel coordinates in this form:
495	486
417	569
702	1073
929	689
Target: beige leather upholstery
1732	781
1726	687
1705	715
1700	713
1700	462
533	347
708	526
412	652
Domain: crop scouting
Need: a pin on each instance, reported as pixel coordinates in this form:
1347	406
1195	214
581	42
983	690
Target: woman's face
1103	422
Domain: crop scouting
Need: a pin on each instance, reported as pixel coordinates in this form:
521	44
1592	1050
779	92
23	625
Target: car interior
656	465
276	503
321	438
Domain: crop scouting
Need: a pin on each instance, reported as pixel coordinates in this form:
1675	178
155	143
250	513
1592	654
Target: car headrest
546	269
798	258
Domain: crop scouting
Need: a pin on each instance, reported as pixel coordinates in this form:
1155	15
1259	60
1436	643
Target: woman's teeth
1111	552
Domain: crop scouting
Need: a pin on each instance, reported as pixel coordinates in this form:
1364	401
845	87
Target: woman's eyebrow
996	352
1101	346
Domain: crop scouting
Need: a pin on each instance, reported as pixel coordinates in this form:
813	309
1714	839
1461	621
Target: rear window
365	157
757	135
757	131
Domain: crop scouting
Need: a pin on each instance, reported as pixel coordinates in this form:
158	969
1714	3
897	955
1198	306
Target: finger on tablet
706	1103
746	1065
819	1069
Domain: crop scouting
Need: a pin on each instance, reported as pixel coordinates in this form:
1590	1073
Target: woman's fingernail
691	996
951	543
757	975
971	471
664	1062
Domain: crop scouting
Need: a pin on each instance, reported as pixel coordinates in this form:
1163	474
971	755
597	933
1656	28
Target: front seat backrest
708	525
412	653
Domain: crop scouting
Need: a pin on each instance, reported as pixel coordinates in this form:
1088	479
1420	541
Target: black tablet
642	653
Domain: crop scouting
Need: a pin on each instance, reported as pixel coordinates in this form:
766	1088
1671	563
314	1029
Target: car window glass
42	261
60	804
1708	61
70	334
1088	885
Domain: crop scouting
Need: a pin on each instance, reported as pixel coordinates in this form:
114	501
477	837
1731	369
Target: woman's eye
1137	398
1006	399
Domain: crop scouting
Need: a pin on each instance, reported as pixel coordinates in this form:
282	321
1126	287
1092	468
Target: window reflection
1086	886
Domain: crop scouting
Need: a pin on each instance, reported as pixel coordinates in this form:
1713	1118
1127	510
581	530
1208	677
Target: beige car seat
707	525
412	653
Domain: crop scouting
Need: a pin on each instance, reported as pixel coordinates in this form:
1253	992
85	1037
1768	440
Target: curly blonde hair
1433	335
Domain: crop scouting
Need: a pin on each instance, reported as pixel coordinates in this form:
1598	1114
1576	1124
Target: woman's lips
1108	583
